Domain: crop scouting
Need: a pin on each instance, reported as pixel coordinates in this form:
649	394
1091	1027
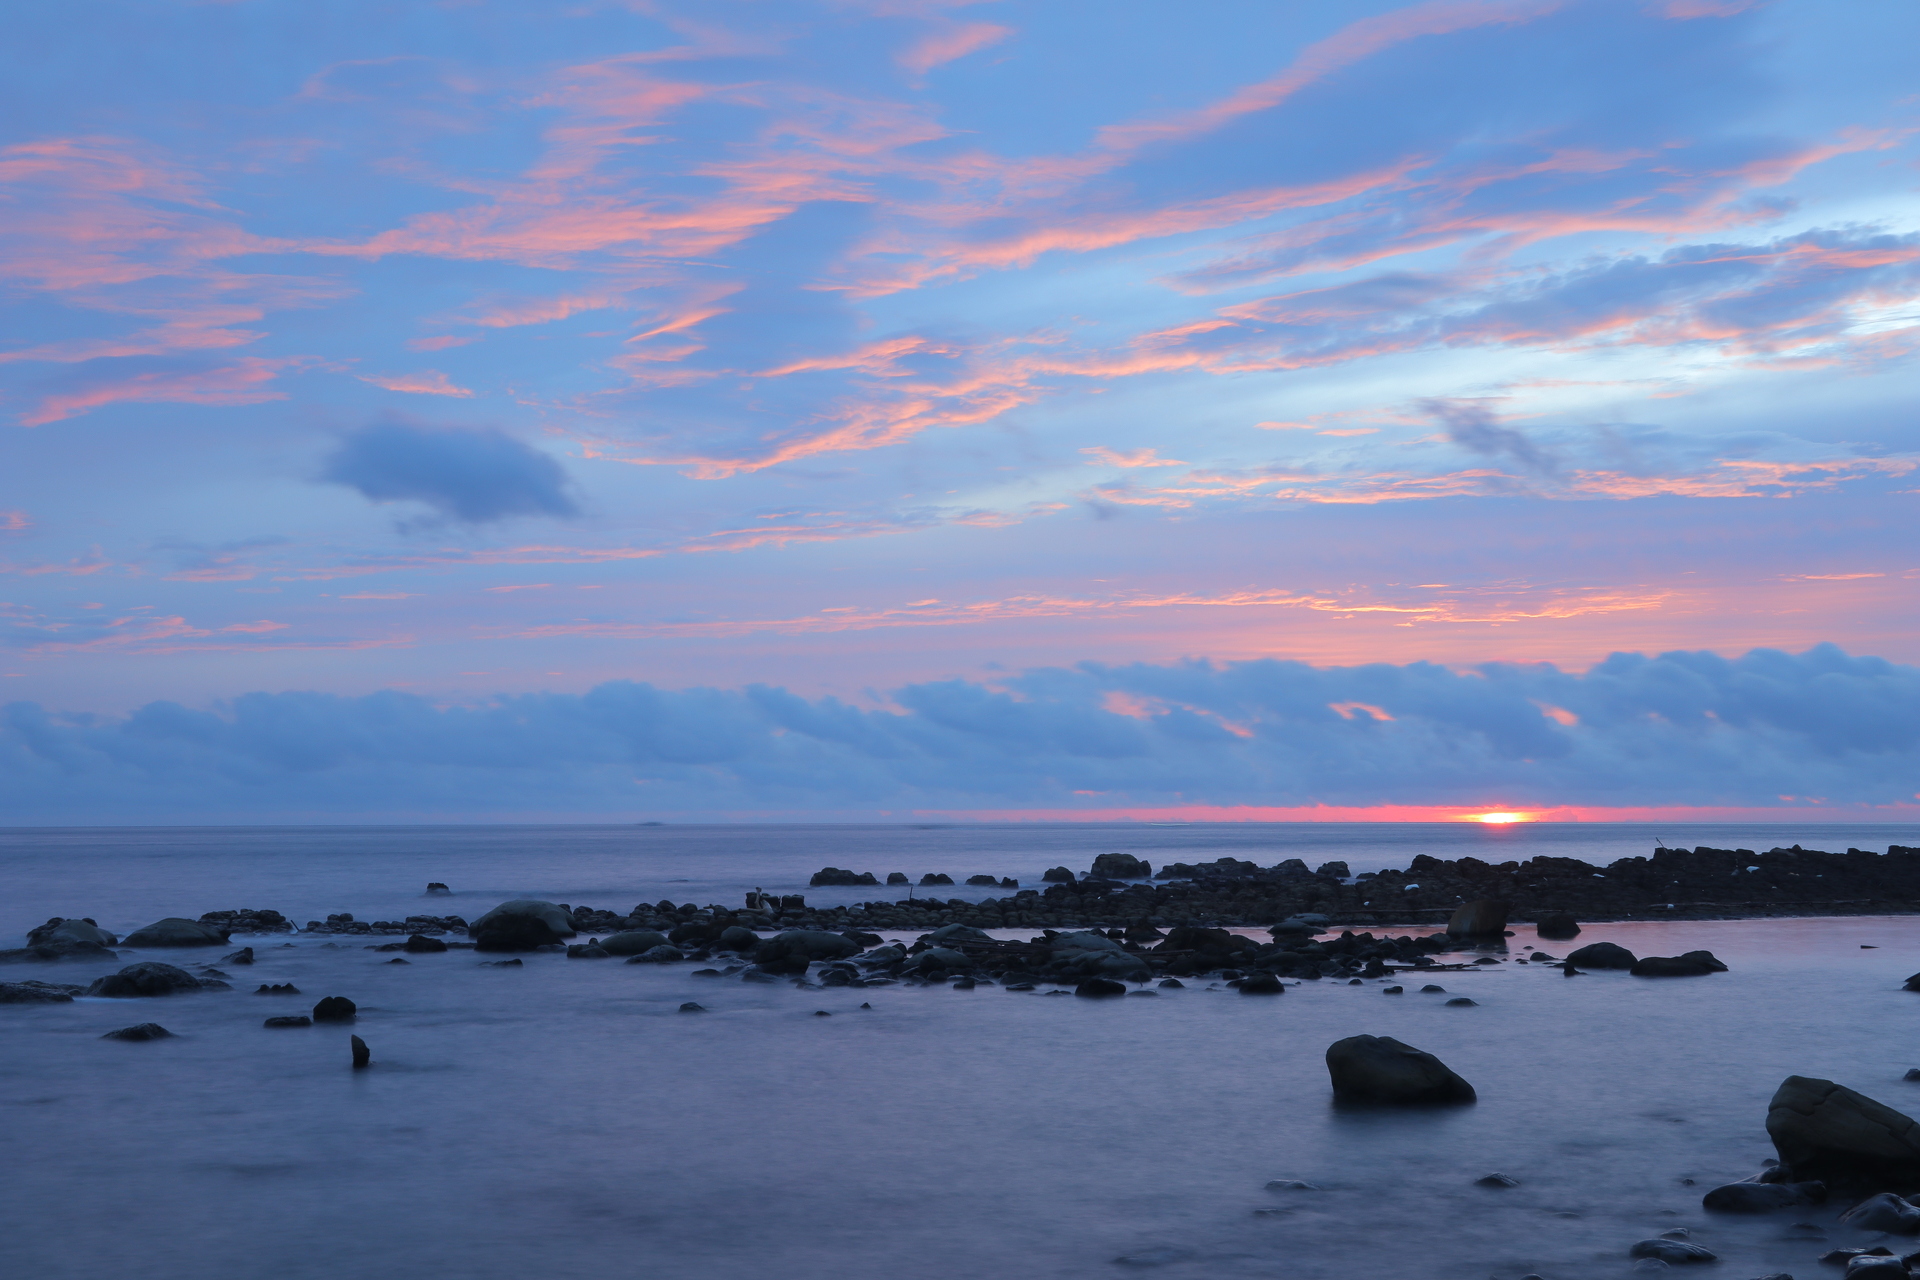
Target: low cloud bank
1677	729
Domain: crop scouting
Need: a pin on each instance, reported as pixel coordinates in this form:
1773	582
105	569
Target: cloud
1678	729
427	382
474	475
1474	429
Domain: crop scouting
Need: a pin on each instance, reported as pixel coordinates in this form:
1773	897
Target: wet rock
988	882
522	924
836	876
665	953
691	1007
1827	1132
1484	917
1290	1184
1336	870
1172	984
277	989
941	959
757	975
1391	991
1693	964
1057	875
1496	1180
1883	1212
361	1054
1912	984
176	932
243	956
247	920
335	1009
1602	955
1461	1002
798	947
1261	984
947	933
1121	866
38	992
148	978
1557	924
398	960
294	1020
897	877
1433	988
1380	1069
633	942
1869	1267
1672	1252
435	887
588	951
60	929
421	944
1100	988
1761	1197
933	878
1913	1073
736	938
140	1031
515	963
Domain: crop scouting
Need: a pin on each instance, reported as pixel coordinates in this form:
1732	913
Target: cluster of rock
247	920
62	939
837	876
344	922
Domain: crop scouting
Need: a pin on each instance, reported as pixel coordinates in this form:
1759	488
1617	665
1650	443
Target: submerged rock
420	943
140	1031
335	1009
38	992
1380	1069
1827	1132
1099	988
176	932
1602	955
521	925
148	978
1884	1212
1693	964
1673	1252
633	942
1261	984
60	929
1763	1197
293	1020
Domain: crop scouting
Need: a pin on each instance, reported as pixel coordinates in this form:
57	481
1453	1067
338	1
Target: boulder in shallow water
1827	1132
148	978
945	959
633	942
1763	1197
38	992
1099	988
61	929
295	1020
736	938
1261	984
806	944
588	951
176	932
1121	866
335	1009
1693	964
1054	875
1481	918
947	933
140	1031
1557	924
421	944
1602	955
1867	1266
665	953
521	925
1884	1212
827	876
1673	1252
1380	1069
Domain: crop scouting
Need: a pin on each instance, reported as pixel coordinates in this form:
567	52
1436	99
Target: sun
1499	819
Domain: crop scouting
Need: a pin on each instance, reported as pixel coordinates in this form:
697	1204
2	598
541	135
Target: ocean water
565	1119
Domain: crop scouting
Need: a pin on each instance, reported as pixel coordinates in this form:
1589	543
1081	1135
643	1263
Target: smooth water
564	1119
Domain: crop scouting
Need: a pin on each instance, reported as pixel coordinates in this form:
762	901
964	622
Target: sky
864	408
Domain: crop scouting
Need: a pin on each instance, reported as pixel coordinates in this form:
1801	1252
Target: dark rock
361	1055
522	924
247	920
1337	870
277	989
1869	1267
1290	1184
1602	955
1380	1069
243	956
758	975
634	942
805	944
1557	924
299	1020
1827	1132
691	1007
1483	917
821	1013
948	933
1433	988
61	929
990	882
1121	866
1172	984
1693	964
335	1009
1759	1197
935	878
176	932
398	960
38	992
1912	984
1461	1002
736	938
1261	984
148	978
1883	1212
835	876
588	951
897	877
420	943
1099	988
1913	1073
435	887
1057	875
861	939
140	1031
1496	1180
1391	991
1673	1252
515	963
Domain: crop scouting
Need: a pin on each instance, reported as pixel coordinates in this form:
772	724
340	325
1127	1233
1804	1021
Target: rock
140	1031
1761	1197
277	989
59	929
521	925
897	877
1099	988
421	943
1261	984
1671	1251
1392	991
1884	1212
588	951
361	1054
1172	984
1121	866
1380	1069
835	876
148	978
756	975
294	1020
945	959
176	932
691	1007
398	960
1693	964
1602	955
1483	917
935	878
435	887
515	963
335	1009
38	993
1912	984
1869	1267
636	942
1156	1257
1337	870
951	932
1827	1132
1913	1073
806	944
243	956
1433	988
988	882
735	938
1290	1184
1557	924
1057	875
665	953
1461	1002
1496	1180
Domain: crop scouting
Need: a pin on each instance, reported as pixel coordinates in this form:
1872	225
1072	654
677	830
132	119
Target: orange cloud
244	382
427	382
1136	458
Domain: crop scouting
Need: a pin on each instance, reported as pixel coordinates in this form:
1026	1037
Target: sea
566	1118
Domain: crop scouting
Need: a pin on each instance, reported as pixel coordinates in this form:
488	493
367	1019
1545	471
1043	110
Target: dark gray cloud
1473	428
474	475
1677	729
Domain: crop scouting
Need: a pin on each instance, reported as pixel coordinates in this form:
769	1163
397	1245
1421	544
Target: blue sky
462	354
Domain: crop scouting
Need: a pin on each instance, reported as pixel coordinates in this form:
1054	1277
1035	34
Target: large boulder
1884	1212
1763	1197
521	925
148	978
1068	946
805	944
633	942
1557	924
71	930
945	959
836	876
956	933
1055	875
37	992
1693	964
1121	866
1602	955
1828	1132
1481	918
735	938
1380	1069
176	932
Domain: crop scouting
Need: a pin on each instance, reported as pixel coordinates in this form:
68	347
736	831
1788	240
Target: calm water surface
565	1120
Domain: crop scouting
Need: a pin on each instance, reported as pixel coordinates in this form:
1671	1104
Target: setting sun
1499	817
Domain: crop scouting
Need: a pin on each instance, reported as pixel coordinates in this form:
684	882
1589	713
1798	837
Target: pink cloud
427	382
1135	458
11	521
437	344
244	382
951	43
